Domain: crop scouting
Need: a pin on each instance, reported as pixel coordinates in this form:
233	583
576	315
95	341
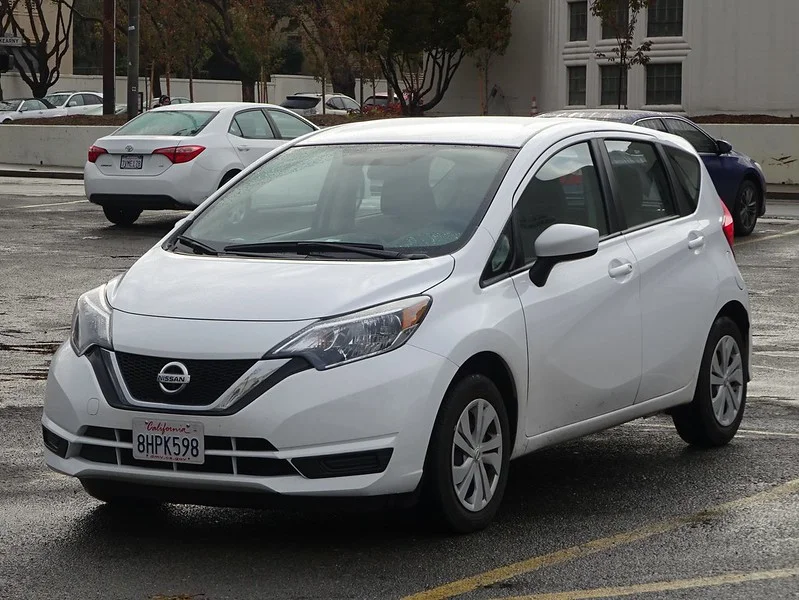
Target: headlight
356	336
91	322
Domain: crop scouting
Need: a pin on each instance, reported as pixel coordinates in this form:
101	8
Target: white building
708	56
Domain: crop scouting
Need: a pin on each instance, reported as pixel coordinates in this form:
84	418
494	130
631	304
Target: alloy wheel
747	207
726	380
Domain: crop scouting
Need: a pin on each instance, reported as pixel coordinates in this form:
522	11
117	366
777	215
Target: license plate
131	161
170	441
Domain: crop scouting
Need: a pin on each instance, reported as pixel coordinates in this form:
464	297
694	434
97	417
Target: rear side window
693	134
168	122
655	124
688	174
300	102
252	124
642	187
290	126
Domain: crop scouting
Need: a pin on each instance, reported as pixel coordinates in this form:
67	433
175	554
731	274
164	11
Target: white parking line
53	204
766	237
740	431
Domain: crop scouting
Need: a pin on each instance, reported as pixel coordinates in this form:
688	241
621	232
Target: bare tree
47	41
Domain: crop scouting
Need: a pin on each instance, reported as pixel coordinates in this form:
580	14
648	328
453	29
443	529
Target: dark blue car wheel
744	213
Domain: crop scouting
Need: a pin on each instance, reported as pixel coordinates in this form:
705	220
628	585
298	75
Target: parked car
28	108
76	103
174	157
311	104
377	100
738	178
119	109
516	283
155	103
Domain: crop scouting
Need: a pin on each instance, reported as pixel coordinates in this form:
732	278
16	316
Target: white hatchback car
512	283
174	157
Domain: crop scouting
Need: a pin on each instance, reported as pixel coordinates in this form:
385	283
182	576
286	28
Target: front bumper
380	410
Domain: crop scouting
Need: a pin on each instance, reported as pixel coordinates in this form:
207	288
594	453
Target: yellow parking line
766	237
664	586
494	576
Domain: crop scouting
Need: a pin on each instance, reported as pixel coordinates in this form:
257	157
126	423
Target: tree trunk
156	80
324	95
343	79
247	89
191	83
360	81
169	79
1	88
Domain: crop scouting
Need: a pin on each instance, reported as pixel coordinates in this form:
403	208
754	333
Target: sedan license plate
131	161
170	441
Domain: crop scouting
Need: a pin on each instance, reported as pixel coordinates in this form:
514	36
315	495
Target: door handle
620	270
243	148
695	240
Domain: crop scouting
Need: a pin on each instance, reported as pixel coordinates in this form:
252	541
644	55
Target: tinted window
698	139
167	122
76	100
254	125
564	190
33	105
336	103
57	99
91	99
410	197
289	125
642	187
300	102
656	124
689	174
349	104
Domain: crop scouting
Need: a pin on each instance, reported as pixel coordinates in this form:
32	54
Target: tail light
180	154
96	152
728	226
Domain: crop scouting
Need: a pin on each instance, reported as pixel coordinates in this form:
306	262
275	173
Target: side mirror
561	242
723	147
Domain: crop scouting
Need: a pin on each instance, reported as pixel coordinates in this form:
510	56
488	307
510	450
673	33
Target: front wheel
747	204
124	217
469	455
714	415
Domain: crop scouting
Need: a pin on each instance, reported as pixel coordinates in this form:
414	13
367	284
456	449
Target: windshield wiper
197	246
311	248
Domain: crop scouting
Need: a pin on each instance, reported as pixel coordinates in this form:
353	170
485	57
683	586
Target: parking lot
631	512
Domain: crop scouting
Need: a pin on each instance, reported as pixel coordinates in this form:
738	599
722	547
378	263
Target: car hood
165	284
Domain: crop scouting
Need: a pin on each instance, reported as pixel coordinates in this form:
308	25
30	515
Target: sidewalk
7	170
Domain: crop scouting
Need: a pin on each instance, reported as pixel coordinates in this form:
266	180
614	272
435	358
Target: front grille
209	379
228	465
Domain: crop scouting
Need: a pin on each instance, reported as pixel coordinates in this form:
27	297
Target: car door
717	164
678	281
584	324
33	109
89	102
74	105
288	125
251	134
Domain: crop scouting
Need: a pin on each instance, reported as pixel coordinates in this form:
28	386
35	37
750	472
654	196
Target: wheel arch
230	173
737	313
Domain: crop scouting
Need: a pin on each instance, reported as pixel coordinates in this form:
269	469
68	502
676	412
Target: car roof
216	106
512	132
601	114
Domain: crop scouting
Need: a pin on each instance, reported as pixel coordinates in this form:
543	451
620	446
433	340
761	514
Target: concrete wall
48	145
775	147
204	89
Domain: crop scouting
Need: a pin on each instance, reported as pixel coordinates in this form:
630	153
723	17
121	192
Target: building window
620	21
665	18
664	84
576	86
578	21
610	86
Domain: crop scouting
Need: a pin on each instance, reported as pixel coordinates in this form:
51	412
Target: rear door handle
696	240
243	148
620	270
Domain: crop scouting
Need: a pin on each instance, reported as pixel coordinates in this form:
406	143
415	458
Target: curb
41	174
772	195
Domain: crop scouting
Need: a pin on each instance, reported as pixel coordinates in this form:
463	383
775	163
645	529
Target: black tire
747	206
107	492
228	177
124	217
438	487
697	422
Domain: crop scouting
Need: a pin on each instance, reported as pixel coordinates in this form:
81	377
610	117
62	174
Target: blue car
738	178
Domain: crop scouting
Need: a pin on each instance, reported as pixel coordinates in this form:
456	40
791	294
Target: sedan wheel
467	462
124	217
746	207
726	380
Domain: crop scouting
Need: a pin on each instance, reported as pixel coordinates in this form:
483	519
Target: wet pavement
630	512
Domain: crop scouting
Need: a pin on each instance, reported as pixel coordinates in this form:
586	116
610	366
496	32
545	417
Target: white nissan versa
401	307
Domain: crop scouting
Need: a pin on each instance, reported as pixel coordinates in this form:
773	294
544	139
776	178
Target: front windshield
406	197
57	99
167	122
10	105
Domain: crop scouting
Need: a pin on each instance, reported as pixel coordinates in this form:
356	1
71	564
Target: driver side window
565	189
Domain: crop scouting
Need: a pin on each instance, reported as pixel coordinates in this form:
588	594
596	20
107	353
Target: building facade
707	56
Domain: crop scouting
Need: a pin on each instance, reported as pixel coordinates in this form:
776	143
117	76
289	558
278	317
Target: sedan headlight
91	321
341	340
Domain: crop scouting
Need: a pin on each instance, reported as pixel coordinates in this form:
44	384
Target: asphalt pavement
631	512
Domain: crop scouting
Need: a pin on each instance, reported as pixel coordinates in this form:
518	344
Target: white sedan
28	108
174	157
515	283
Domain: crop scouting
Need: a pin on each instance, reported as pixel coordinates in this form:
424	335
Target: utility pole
109	56
133	58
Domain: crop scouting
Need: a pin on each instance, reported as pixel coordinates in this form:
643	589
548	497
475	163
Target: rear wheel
124	217
106	491
469	454
714	415
747	203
